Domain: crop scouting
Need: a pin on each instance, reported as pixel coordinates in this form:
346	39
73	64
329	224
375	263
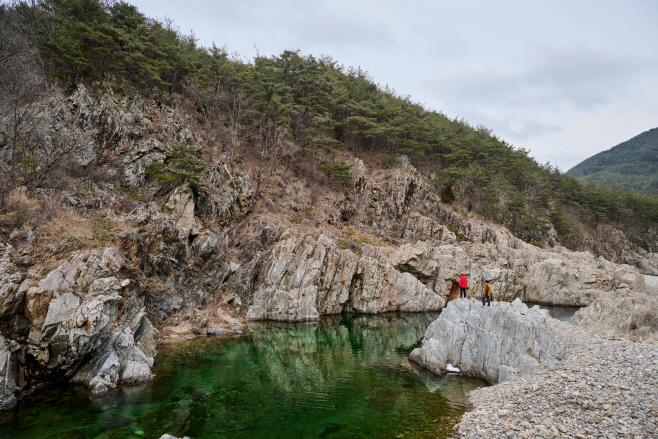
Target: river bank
606	387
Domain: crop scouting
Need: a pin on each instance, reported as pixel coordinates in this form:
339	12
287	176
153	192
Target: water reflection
344	376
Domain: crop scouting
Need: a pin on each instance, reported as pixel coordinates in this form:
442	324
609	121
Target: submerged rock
491	342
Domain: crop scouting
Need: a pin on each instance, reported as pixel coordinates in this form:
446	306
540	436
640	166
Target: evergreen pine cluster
320	107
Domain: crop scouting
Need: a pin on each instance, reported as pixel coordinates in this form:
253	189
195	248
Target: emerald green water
341	377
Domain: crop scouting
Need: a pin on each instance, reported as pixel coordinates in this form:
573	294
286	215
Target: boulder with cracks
490	342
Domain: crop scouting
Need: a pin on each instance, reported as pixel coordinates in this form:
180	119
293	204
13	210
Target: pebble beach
605	387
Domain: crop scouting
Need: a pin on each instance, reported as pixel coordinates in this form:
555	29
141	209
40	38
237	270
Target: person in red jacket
463	284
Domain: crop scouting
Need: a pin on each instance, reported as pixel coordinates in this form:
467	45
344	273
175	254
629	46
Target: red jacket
463	281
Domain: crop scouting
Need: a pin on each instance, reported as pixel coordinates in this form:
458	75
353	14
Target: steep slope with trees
630	166
145	179
291	107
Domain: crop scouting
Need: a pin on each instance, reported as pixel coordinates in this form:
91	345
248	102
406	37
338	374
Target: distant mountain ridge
631	165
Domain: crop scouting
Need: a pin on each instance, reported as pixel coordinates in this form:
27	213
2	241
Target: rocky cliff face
491	342
79	322
304	278
82	303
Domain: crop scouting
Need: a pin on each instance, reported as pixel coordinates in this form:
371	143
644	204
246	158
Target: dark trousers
462	292
487	298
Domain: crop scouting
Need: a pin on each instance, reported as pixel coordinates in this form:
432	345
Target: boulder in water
491	342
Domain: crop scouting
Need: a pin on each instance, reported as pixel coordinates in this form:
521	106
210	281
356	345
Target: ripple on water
338	378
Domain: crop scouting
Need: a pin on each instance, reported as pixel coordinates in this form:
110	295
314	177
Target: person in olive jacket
487	293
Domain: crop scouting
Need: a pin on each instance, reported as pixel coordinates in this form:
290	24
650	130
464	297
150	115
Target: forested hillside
293	109
631	165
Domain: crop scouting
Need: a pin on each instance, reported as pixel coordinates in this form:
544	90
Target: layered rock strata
305	278
80	322
491	342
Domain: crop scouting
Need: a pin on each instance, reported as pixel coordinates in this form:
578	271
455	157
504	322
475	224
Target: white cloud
575	76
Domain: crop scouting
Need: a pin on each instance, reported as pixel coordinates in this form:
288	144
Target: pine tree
339	174
180	166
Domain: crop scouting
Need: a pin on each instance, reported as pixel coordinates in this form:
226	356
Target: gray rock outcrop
305	278
181	202
491	342
379	287
8	388
629	314
73	328
126	357
301	278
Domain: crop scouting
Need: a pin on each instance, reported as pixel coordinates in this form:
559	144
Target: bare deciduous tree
31	146
272	145
237	103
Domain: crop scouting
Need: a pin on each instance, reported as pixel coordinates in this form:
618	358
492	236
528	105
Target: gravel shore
605	387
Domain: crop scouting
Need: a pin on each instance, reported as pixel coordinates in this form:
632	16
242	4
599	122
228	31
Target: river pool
563	313
341	377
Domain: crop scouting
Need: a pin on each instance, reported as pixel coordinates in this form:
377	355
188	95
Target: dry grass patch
58	230
353	239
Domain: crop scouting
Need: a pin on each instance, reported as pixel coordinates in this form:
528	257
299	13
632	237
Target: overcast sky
564	79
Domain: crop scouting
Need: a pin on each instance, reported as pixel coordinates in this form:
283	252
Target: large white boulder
491	342
302	278
379	287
